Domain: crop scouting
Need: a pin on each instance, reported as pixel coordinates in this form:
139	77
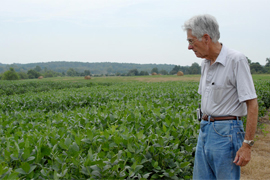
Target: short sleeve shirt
226	84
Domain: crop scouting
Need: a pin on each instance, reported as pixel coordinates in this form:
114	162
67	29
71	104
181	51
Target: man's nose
190	47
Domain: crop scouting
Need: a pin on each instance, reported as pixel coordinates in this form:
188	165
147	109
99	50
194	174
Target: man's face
198	47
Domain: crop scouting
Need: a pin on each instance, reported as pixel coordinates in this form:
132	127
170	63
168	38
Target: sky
125	31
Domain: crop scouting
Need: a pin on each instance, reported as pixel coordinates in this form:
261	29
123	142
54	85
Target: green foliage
267	62
195	69
262	90
249	61
110	68
41	86
2	69
95	68
100	131
23	75
10	75
72	72
50	73
133	72
144	73
121	131
87	73
184	69
255	67
37	68
154	70
163	72
32	74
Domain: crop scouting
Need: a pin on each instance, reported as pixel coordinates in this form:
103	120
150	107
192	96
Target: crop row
21	87
71	98
119	132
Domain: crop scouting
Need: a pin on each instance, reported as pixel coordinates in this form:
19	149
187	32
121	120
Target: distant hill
95	68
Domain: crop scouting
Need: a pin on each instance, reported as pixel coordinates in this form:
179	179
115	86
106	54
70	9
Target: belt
220	118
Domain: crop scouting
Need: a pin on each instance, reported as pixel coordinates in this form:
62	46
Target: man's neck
214	50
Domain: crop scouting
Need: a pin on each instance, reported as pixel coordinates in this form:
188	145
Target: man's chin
198	55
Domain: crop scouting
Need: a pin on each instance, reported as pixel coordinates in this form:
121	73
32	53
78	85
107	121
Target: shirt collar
221	57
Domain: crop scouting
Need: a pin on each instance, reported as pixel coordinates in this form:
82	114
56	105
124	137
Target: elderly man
227	94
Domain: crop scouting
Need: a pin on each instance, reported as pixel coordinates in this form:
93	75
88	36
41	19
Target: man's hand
243	155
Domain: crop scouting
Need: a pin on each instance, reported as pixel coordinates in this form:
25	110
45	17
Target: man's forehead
189	35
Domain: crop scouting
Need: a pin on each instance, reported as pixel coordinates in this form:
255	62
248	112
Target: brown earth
259	166
164	79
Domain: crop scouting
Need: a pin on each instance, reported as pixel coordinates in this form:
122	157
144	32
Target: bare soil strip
259	166
165	79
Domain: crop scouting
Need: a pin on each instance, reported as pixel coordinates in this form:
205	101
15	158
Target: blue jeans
217	145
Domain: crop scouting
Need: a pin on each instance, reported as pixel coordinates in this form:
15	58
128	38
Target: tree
10	75
154	70
23	75
133	72
144	73
163	72
109	70
195	68
175	70
184	69
38	69
49	73
255	67
267	62
33	74
87	72
71	72
249	61
2	69
267	66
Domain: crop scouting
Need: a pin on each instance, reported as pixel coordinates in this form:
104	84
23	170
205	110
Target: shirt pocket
217	93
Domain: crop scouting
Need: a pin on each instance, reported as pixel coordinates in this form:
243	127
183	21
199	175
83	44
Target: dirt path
259	166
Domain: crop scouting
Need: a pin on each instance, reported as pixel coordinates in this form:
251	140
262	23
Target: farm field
103	128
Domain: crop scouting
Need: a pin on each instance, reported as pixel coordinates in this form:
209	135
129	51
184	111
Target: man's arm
243	155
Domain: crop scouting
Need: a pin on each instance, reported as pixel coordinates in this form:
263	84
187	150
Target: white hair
203	24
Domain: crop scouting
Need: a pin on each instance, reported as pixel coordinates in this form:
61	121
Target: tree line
257	68
95	68
37	71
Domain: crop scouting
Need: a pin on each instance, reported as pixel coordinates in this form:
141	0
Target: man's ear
207	38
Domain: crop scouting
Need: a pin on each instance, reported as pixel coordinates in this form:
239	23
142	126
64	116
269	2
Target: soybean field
101	130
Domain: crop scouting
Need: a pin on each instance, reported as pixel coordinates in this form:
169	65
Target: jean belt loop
238	121
209	117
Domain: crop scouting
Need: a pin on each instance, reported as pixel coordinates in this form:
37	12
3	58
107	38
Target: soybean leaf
26	167
30	158
96	173
32	168
146	175
21	171
184	164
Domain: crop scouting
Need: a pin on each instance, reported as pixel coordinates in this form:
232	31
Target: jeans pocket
240	135
222	128
203	125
